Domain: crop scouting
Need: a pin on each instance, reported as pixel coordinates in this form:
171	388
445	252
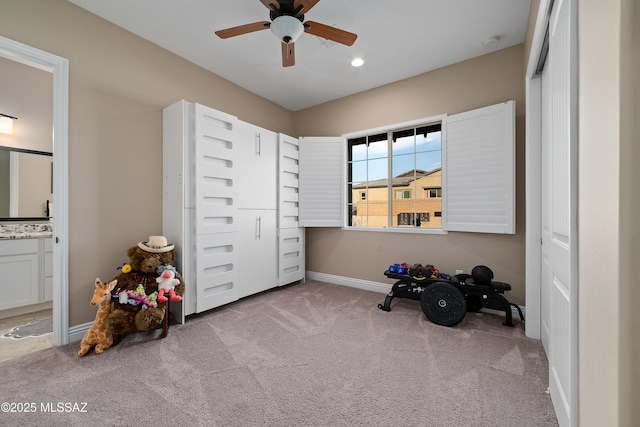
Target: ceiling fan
287	23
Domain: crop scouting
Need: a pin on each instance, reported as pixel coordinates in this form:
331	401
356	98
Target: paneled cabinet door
20	282
257	170
217	270
258	251
291	255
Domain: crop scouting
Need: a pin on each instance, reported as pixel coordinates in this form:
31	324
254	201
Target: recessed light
357	62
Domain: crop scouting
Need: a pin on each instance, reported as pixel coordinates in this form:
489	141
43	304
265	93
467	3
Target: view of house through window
395	179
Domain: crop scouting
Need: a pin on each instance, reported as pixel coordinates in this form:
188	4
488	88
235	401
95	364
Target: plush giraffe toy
97	334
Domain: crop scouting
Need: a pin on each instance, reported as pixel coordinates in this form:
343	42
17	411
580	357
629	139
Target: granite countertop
25	231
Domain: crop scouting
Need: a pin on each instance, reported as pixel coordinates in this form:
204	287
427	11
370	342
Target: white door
256	153
257	251
217	270
216	170
545	214
558	216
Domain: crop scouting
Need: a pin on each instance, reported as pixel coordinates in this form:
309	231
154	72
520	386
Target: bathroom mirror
26	189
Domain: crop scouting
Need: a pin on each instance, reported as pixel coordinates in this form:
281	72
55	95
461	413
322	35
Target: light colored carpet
311	354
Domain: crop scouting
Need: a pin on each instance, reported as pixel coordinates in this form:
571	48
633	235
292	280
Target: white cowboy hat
156	244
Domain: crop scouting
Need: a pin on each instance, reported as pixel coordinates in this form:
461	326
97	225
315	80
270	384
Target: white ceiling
397	39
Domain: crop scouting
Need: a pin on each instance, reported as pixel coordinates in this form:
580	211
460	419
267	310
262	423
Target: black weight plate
443	304
474	303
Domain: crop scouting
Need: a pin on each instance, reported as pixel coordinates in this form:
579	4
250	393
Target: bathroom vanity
26	265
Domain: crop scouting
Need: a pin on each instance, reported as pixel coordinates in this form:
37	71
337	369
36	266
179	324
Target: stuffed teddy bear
140	311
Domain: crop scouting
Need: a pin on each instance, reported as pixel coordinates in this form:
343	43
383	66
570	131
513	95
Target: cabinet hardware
258	227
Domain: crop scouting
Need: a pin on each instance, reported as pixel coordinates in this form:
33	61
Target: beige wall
479	82
119	85
26	93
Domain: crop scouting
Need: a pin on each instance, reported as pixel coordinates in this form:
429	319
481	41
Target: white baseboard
366	285
77	332
384	288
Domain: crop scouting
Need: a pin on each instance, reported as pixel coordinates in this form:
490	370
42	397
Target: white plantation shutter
322	181
479	181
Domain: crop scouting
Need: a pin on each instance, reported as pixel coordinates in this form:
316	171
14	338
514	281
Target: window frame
440	118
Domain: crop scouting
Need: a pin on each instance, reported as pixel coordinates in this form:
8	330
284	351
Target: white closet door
291	255
289	182
256	152
217	270
559	218
291	260
215	170
257	251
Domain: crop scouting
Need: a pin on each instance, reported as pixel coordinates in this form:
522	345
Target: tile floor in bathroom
10	348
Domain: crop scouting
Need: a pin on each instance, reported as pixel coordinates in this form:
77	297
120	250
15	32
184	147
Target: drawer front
18	246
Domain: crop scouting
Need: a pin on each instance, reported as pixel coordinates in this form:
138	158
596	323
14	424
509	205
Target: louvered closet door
289	182
291	260
217	272
215	208
216	171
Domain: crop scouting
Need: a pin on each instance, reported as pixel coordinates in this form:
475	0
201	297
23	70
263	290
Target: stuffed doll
167	282
144	260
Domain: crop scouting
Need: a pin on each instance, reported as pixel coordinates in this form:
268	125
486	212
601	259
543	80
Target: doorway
59	68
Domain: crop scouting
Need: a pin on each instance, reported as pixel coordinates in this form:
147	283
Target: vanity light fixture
6	123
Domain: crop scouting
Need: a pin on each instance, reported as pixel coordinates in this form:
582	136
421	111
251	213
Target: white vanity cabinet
26	272
47	267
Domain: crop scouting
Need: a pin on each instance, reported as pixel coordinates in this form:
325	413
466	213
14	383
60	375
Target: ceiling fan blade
288	54
330	33
304	5
271	4
243	29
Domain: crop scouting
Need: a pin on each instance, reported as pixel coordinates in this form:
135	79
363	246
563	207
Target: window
413	219
433	192
403	194
363	195
473	179
399	170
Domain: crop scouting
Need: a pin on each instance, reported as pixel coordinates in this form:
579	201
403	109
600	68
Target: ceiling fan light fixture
287	28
